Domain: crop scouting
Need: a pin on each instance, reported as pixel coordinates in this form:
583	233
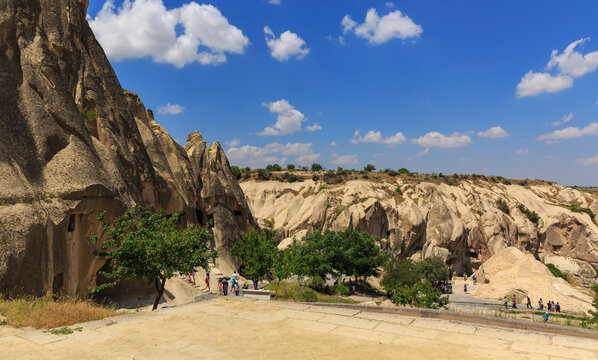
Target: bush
422	295
292	291
403	171
236	172
340	289
433	270
323	187
576	208
315	177
89	115
316	167
595	304
273	167
290	167
502	206
556	272
399	191
369	168
531	215
263	174
392	173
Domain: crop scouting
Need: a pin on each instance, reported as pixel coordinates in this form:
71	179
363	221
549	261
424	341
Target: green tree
398	272
369	168
273	167
595	304
403	171
316	167
257	250
361	256
283	266
433	270
144	245
421	294
290	167
236	172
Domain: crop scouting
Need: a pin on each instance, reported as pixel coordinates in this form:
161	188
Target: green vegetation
291	291
291	177
65	330
399	191
530	214
273	167
315	177
577	208
263	174
502	206
143	245
89	115
47	312
369	168
556	272
237	173
413	283
595	304
316	167
257	250
290	167
322	187
403	171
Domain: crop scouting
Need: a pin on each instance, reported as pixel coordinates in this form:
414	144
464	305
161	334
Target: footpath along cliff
419	216
74	143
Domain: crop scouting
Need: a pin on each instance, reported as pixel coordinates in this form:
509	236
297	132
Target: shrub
433	270
502	206
530	214
236	172
290	167
89	115
315	177
403	171
369	168
263	174
576	208
523	182
595	304
556	272
365	176
273	167
422	295
399	191
294	178
323	187
392	173
316	167
340	288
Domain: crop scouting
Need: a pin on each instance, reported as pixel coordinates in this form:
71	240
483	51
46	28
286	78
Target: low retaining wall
470	318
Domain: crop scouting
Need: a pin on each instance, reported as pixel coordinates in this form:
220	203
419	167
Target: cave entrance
57	283
200	218
210	221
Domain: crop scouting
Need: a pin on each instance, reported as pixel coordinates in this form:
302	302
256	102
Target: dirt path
225	328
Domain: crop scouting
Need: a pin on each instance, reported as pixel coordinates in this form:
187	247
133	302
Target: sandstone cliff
461	223
73	143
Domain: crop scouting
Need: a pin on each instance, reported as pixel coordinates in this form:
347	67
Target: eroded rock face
462	224
73	143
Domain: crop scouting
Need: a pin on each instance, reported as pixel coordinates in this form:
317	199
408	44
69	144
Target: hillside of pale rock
74	143
462	222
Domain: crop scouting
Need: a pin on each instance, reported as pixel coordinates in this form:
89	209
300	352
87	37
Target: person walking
549	306
557	307
207	281
224	287
220	286
514	302
529	303
540	304
506	302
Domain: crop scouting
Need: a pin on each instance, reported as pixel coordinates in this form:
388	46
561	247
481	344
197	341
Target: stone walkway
251	329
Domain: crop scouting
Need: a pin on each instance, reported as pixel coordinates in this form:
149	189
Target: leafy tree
361	255
316	167
263	174
398	272
595	304
143	245
421	294
273	167
257	250
290	167
236	172
433	270
369	168
403	171
283	266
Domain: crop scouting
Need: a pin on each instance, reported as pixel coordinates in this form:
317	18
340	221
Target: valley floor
240	328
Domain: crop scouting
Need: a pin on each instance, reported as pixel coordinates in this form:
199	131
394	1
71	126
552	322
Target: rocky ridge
74	143
461	223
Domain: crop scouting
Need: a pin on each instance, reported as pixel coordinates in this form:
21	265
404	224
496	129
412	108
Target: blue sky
445	86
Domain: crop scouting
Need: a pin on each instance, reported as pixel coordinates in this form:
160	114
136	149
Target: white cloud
314	127
171	109
145	28
288	121
333	143
390	4
376	137
344	159
286	46
494	132
522	151
436	139
378	30
568	65
569	133
424	152
233	142
275	2
248	155
590	161
564	119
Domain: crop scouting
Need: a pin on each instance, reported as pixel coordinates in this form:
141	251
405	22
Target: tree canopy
144	245
257	250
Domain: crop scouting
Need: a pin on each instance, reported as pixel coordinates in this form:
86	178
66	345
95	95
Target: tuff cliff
463	222
73	143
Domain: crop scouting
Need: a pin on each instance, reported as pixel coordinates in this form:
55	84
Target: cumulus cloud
288	121
378	30
436	139
314	127
590	161
565	67
286	46
344	159
256	156
494	132
233	142
376	137
275	2
569	133
145	28
171	109
564	119
522	151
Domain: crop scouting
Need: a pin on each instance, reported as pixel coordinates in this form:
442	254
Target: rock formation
462	223
73	143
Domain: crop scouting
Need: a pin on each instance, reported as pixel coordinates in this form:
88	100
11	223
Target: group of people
445	287
550	305
234	285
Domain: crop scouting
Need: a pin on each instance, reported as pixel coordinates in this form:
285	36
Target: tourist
514	302
545	317
557	307
255	283
506	302
540	304
207	280
225	287
220	286
549	306
529	303
475	279
465	288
